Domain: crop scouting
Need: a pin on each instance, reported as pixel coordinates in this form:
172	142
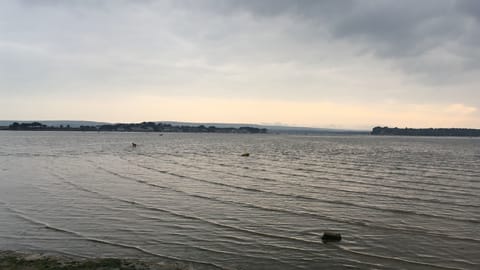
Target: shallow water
399	202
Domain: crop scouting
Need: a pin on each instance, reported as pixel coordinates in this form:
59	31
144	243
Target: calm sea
399	202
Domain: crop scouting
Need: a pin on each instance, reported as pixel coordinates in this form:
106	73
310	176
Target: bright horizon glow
306	114
325	64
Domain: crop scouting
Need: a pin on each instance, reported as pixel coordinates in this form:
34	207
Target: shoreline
26	260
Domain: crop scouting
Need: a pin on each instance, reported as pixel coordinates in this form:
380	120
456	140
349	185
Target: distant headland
452	132
135	127
173	126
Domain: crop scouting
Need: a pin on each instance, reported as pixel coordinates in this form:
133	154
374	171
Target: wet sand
10	260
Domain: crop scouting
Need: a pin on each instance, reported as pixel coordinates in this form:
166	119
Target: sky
333	63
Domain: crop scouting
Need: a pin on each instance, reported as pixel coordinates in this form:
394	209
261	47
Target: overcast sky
334	63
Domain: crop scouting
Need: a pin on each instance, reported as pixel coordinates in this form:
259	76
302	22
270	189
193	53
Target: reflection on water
399	203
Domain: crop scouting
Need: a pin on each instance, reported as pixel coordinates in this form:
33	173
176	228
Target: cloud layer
369	53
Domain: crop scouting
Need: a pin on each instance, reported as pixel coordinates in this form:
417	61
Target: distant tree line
27	126
456	132
137	127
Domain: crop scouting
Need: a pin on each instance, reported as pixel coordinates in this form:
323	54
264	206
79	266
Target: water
399	203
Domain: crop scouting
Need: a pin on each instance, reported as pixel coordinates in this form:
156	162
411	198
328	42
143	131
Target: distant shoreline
135	127
174	127
430	132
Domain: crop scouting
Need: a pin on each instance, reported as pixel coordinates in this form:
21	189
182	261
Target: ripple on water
191	197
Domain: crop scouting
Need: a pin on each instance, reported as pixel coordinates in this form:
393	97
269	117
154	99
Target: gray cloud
321	49
389	29
397	29
470	7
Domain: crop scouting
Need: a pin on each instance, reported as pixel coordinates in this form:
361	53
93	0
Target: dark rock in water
246	155
331	237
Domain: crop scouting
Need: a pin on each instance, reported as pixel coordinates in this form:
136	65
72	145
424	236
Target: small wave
32	220
436	191
156	218
385	169
207	168
303	213
370	163
20	237
191	217
405	165
397	259
403	180
308	198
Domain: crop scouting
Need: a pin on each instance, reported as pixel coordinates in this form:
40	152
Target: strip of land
452	132
135	127
10	260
